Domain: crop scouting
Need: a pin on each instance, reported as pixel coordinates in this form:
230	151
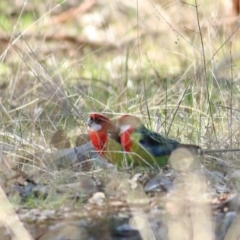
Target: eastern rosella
99	128
145	146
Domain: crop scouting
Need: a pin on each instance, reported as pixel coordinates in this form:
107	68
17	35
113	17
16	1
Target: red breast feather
99	140
126	140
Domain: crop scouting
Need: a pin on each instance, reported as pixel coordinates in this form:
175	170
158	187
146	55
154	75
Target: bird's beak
89	122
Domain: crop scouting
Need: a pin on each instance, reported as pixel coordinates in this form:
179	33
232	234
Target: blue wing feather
155	143
160	150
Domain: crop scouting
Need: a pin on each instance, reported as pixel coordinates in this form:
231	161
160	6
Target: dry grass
174	62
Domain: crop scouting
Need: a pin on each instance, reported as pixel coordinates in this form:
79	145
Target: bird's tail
196	150
207	151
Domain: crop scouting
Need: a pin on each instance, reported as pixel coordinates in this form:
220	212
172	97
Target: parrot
128	143
145	146
100	131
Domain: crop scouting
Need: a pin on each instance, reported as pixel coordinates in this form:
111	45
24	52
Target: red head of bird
98	128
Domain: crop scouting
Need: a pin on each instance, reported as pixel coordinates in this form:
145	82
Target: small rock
98	198
159	184
65	232
223	221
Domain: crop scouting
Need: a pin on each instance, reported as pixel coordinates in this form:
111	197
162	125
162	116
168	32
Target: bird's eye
98	120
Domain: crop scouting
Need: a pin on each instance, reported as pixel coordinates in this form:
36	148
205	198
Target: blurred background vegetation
177	60
171	60
175	64
172	63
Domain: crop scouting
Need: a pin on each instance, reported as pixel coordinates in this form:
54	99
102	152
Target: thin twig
231	97
205	68
143	81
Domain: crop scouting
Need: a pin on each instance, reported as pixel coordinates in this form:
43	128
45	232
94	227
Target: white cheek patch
124	128
95	127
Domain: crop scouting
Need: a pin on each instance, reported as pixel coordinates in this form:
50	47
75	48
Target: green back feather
153	138
141	157
114	154
143	137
